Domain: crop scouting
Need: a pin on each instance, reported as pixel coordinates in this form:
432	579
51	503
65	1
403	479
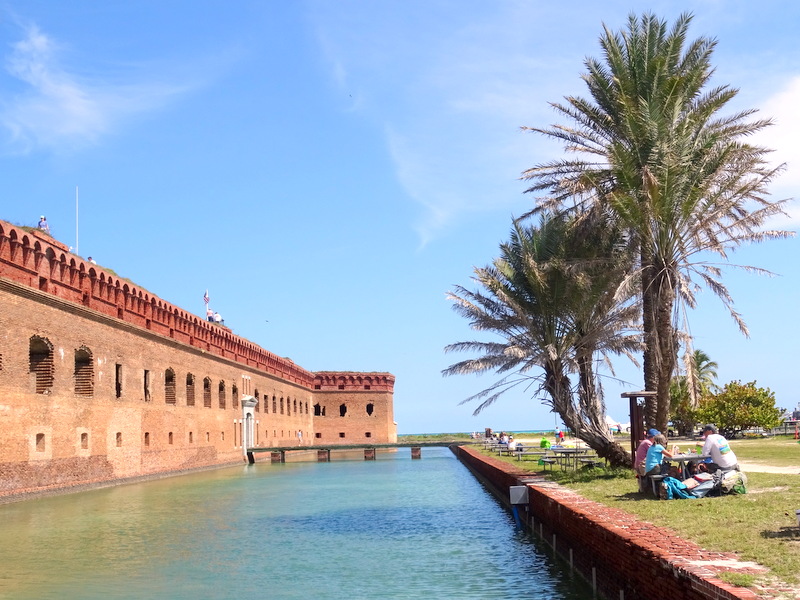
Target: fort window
274	405
191	437
235	396
294	406
317	387
169	386
169	438
118	380
84	372
189	390
317	410
41	364
370	408
207	392
119	439
208	436
1	362
318	435
306	407
222	434
146	379
84	441
40	446
342	410
146	438
366	387
368	434
281	405
257	407
341	386
222	400
341	434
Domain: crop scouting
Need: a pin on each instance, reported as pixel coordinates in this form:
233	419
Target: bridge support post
323	456
369	453
416	452
251	459
277	457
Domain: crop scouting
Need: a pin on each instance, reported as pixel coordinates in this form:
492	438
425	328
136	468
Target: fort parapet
102	380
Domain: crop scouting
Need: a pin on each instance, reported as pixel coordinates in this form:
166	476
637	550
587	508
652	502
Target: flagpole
77	251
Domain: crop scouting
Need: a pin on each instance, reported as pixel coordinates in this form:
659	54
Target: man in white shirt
717	447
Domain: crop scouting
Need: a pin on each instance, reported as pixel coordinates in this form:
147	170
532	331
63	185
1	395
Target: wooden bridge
278	453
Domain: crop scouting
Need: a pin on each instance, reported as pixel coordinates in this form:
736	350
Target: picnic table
568	457
683	459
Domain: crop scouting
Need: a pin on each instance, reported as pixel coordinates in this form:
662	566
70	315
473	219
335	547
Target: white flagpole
77	251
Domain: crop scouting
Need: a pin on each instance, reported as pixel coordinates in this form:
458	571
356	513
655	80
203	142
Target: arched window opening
146	438
235	396
222	399
206	393
257	396
41	364
281	405
342	410
169	386
84	372
119	439
370	408
40	443
84	441
294	406
169	437
189	389
274	405
317	410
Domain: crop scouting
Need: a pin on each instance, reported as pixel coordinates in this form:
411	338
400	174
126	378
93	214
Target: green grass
435	437
760	526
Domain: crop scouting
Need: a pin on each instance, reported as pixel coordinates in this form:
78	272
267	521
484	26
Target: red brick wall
53	295
625	557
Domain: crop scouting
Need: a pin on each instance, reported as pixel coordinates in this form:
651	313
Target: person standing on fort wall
210	315
43	224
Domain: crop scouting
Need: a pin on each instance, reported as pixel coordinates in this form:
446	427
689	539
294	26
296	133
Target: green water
391	528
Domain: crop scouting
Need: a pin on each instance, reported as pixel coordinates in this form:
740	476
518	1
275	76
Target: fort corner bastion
101	381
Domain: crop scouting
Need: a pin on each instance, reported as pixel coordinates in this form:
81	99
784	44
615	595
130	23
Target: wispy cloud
55	109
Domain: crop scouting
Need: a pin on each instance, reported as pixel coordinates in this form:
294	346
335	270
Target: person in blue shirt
655	455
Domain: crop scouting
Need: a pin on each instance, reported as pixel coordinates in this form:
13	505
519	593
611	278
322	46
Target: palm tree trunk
651	362
587	418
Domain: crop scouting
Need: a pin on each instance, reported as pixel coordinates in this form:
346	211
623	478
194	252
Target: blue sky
329	170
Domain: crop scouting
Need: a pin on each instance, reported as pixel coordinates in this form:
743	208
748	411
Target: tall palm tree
556	297
651	146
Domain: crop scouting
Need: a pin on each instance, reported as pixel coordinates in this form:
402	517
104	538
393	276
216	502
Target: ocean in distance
349	529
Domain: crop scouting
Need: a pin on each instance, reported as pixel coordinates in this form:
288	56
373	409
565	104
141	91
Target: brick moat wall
625	558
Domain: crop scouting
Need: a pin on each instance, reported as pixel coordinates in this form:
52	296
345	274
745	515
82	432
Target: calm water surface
391	528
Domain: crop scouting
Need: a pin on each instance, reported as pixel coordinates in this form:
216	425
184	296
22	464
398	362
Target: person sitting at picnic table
655	456
641	454
512	445
718	448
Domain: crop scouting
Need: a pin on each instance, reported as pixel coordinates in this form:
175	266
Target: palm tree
556	297
679	178
701	373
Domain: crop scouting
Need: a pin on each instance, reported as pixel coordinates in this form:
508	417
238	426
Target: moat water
348	529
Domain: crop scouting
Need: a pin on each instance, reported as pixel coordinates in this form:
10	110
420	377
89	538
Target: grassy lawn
760	526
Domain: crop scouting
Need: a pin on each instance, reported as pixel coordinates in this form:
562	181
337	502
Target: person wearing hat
641	454
43	224
718	448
